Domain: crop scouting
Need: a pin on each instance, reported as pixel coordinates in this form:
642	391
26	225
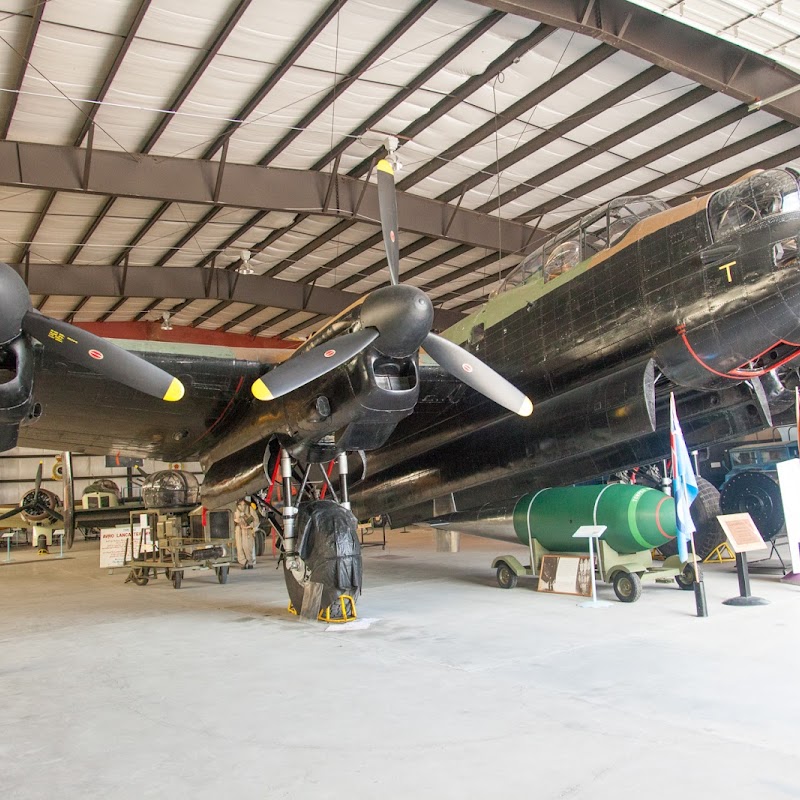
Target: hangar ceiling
146	143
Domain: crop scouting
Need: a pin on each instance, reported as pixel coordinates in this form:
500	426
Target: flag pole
676	440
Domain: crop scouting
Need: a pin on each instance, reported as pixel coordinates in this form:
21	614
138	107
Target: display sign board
114	541
566	575
789	478
112	546
743	535
589	532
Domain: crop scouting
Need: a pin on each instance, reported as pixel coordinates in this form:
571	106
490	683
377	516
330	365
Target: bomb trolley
625	572
174	541
637	519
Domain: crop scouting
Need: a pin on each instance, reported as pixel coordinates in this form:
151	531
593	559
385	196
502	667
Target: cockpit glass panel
562	259
764	195
593	233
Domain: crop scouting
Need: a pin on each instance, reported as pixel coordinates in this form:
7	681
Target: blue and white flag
684	483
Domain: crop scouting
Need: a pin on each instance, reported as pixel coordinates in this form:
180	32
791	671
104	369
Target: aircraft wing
84	412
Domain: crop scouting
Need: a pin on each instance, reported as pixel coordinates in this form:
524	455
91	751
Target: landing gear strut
321	550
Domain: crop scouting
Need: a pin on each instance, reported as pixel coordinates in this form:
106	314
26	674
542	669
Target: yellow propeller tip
260	391
175	391
385	166
526	409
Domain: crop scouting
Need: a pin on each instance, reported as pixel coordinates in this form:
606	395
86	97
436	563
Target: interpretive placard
112	546
566	575
743	535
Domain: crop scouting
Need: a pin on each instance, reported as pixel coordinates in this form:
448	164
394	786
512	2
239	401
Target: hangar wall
18	472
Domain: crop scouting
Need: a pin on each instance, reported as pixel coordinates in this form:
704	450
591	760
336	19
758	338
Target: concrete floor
457	689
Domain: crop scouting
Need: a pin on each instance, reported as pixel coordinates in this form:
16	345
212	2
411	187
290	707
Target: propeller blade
306	367
12	512
102	357
38	484
387	202
476	374
54	514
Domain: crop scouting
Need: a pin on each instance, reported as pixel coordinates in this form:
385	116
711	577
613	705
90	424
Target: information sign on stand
115	545
743	537
592	533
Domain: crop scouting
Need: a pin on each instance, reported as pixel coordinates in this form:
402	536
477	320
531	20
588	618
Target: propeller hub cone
402	315
14	303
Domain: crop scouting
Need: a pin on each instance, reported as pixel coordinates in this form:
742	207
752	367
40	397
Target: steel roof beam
112	73
562	128
259	247
142	232
147	309
380	264
302	325
717	156
524	104
211	312
470	86
237	234
679	104
287	62
213	48
346	256
81	303
702	57
451	100
608	176
308	37
189	283
188	236
659	152
245	186
316	242
481	26
25	57
276	320
243	317
347	81
168	114
105	315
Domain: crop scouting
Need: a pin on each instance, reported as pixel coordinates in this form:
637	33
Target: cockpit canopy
596	231
774	191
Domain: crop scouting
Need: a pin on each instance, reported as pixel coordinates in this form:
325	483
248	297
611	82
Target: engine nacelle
16	389
355	408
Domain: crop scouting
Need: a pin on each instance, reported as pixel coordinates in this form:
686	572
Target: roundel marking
391	235
329	353
96	354
466	367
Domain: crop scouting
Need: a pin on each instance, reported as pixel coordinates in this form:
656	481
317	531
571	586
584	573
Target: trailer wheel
627	587
686	579
506	577
177	577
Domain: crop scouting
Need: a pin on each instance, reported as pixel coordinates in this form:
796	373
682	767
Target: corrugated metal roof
495	112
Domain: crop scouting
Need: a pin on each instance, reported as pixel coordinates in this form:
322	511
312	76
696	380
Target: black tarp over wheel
327	540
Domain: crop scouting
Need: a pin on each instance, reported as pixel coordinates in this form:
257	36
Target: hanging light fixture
245	268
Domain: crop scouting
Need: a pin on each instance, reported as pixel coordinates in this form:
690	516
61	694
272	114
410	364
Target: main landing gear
320	550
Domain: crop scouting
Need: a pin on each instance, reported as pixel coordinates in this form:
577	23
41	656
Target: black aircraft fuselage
634	300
